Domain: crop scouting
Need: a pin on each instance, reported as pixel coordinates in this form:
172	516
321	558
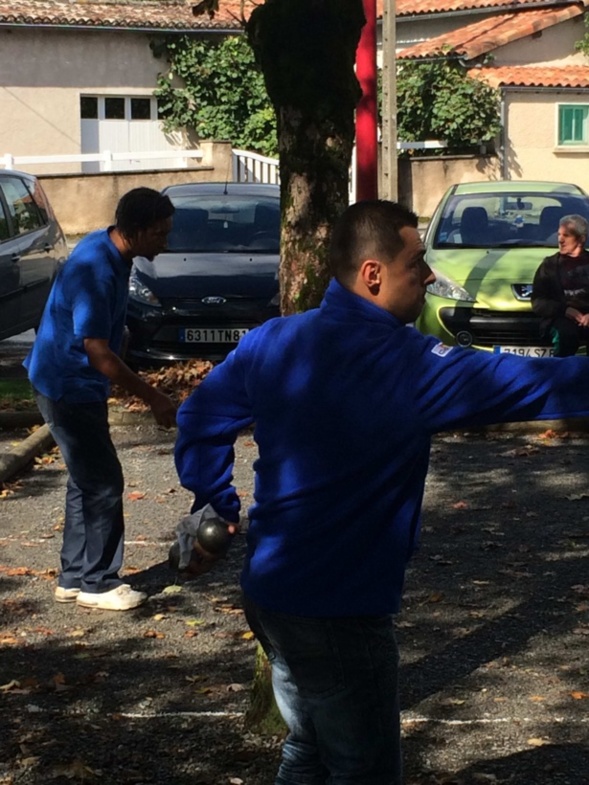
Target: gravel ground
494	632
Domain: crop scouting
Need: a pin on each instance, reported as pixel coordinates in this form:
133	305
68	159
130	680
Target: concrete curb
25	452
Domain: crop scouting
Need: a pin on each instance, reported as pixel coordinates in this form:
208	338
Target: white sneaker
122	598
65	595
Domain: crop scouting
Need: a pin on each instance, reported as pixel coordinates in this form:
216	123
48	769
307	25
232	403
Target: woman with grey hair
560	294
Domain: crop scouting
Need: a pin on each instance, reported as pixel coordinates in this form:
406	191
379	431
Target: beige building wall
44	72
423	181
532	151
552	47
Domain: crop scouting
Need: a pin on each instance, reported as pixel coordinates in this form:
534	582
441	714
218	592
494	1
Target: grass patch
16	394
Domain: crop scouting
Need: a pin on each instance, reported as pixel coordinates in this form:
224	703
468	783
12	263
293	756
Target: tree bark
306	50
263	716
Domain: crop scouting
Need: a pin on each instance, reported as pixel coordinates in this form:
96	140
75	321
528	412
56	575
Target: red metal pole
366	115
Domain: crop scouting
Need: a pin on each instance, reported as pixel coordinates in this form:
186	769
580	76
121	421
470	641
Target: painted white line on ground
407	719
410	720
40	540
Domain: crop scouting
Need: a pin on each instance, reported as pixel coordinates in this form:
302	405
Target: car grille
493	328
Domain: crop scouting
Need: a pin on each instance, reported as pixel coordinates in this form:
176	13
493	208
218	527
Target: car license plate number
525	351
212	334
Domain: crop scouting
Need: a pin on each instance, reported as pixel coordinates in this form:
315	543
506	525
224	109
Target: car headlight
449	289
139	291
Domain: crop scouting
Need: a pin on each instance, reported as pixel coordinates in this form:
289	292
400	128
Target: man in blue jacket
345	399
74	359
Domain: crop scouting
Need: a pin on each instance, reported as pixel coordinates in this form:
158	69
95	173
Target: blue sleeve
208	424
465	388
91	295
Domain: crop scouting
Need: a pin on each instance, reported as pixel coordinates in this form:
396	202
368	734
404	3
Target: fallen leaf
174	589
576	695
536	742
153	634
460	505
11	685
248	636
76	770
135	496
549	434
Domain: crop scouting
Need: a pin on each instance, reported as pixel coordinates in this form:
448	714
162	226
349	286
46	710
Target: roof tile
533	76
422	7
490	33
143	14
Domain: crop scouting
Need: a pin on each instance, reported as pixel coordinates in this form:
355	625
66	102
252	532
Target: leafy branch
215	88
440	101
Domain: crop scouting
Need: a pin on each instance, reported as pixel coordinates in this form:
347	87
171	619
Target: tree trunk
306	50
263	716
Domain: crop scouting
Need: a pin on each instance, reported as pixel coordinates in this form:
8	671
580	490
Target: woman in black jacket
560	294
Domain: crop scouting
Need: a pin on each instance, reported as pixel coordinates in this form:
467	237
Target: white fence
253	168
106	158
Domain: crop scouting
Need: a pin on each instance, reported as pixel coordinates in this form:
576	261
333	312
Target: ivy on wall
583	44
215	87
440	101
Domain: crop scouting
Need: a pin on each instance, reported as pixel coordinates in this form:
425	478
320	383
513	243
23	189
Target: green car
484	243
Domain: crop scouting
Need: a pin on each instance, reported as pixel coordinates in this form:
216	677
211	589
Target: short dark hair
367	230
141	208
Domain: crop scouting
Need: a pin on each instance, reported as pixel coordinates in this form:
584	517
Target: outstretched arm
208	424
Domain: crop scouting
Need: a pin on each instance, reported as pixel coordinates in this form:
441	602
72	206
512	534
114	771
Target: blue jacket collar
338	298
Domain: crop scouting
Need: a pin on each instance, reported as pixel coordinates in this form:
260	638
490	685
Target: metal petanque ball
214	537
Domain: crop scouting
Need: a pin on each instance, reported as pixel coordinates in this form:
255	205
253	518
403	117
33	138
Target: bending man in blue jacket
345	399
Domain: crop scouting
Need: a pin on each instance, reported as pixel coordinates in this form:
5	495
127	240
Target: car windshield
225	224
498	220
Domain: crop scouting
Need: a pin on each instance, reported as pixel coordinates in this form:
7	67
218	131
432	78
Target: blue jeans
335	683
93	534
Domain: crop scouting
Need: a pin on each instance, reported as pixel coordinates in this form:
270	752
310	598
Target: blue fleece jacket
344	400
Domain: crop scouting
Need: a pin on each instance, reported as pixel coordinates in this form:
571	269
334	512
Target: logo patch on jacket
441	349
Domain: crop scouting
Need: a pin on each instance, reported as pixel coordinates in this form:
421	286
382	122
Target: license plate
525	351
212	334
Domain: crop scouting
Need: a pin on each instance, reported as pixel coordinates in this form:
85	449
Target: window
114	108
88	107
140	109
22	208
573	124
98	107
4	233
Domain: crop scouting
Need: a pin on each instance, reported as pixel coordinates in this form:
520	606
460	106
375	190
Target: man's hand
574	315
163	409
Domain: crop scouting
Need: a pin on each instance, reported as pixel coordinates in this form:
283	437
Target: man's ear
370	275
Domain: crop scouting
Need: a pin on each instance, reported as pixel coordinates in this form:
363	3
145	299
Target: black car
32	248
217	280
